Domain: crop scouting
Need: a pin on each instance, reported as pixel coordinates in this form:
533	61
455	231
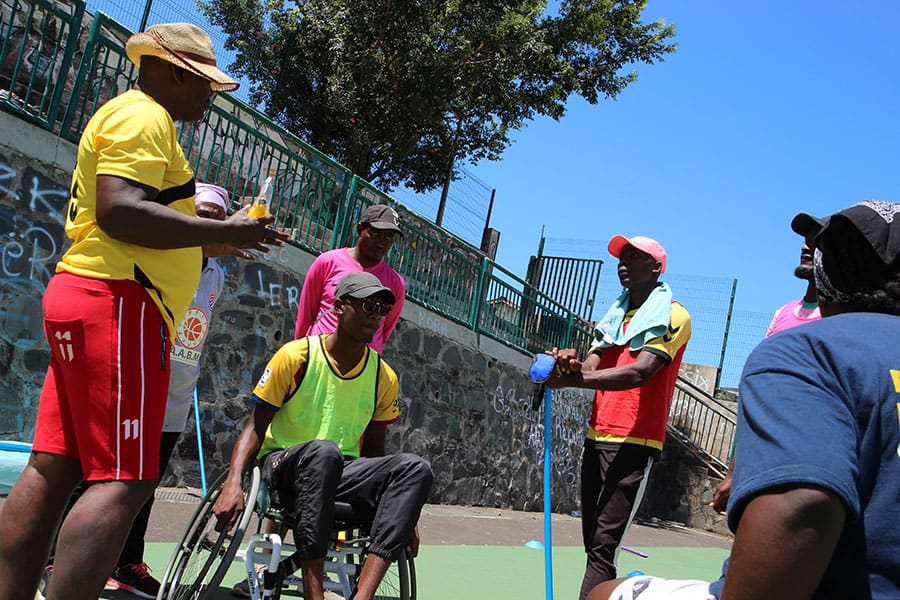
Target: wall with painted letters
33	196
465	399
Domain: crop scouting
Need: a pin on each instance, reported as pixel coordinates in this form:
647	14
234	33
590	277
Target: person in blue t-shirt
814	505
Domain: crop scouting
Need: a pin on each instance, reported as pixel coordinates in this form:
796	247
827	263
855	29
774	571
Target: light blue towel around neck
650	321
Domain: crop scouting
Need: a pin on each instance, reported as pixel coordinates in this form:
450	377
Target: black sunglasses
370	306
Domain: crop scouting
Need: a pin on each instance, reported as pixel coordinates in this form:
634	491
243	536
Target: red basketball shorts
104	396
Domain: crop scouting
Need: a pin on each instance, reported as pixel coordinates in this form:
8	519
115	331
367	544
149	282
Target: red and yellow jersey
639	415
133	137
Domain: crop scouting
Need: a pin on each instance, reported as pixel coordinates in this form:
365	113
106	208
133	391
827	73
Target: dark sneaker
135	579
44	583
241	589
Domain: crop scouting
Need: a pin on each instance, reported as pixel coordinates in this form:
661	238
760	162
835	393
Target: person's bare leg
313	572
92	537
603	590
29	520
372	573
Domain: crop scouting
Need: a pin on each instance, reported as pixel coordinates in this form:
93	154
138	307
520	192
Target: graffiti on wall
568	422
32	239
277	294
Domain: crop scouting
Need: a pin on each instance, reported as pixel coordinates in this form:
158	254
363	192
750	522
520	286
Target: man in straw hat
110	313
131	573
817	471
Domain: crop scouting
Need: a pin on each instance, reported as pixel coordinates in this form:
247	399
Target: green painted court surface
502	572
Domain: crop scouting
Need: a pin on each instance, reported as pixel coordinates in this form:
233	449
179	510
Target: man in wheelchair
318	427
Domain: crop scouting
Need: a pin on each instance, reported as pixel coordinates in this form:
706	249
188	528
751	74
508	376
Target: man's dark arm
784	542
231	500
723	491
373	440
126	211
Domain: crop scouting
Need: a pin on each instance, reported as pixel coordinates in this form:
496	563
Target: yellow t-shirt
133	137
282	387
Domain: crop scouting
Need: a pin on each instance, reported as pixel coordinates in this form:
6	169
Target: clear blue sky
767	109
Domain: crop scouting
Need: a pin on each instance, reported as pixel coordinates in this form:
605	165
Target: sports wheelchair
204	556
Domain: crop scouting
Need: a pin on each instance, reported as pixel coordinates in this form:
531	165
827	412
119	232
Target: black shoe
135	579
241	589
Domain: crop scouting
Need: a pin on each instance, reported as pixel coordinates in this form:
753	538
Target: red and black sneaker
135	579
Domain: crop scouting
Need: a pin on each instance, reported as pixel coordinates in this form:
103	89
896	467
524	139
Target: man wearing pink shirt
377	228
806	309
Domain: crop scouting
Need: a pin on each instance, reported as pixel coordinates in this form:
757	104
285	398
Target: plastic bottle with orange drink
260	206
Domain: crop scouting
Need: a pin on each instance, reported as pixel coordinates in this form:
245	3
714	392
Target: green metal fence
315	199
238	148
103	72
38	39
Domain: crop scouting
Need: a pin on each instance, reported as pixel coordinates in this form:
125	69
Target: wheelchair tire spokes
204	555
398	582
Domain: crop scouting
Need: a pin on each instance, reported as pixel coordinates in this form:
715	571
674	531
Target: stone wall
680	490
465	399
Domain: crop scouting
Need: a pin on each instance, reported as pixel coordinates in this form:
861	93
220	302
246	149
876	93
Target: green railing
38	39
315	199
237	147
702	424
104	72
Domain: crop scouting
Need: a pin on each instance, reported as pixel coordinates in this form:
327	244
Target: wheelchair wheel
399	582
204	555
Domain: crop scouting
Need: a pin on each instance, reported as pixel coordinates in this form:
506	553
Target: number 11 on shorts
132	428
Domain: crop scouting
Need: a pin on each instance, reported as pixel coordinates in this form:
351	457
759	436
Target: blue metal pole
199	443
548	530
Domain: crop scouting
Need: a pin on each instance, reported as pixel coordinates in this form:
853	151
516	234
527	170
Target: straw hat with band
184	45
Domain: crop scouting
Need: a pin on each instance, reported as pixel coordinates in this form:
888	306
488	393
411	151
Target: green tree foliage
399	90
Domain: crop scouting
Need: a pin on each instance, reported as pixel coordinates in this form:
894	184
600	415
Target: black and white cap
858	249
381	216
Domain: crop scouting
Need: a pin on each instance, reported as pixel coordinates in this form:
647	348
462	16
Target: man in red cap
632	365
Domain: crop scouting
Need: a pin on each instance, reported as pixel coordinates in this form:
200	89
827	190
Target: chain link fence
131	13
747	329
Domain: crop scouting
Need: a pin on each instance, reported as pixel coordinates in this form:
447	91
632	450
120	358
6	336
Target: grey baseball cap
360	284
